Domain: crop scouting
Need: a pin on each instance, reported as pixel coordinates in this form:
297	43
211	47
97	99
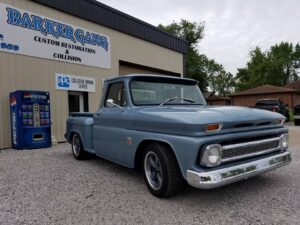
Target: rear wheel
297	122
77	148
161	171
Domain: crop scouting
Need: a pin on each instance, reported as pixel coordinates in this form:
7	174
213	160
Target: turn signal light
213	127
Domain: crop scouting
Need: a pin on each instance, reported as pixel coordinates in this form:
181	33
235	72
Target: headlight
212	155
284	141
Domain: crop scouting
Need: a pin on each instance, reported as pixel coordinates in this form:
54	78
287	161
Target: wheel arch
144	143
72	133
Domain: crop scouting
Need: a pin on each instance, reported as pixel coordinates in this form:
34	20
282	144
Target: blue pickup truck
162	126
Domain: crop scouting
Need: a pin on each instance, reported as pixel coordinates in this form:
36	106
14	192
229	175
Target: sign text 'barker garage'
28	33
56	29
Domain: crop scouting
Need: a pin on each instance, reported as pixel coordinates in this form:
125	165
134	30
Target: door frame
81	99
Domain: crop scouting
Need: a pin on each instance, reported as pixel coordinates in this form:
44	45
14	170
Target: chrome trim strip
221	177
251	154
253	143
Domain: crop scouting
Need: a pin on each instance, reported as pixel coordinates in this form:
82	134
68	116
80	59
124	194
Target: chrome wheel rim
76	145
153	170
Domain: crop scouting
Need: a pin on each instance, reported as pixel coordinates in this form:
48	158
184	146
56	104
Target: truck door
110	132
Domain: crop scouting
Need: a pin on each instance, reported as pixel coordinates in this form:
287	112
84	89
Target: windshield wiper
168	100
192	101
188	100
173	98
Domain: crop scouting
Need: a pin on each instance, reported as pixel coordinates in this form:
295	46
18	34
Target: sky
232	27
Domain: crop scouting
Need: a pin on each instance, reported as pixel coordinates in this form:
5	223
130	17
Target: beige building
41	40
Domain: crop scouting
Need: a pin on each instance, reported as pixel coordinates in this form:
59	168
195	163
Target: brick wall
296	99
249	100
218	102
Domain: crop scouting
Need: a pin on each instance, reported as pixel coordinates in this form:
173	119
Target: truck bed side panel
84	127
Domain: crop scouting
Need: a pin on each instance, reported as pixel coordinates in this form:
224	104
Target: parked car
297	115
162	125
274	105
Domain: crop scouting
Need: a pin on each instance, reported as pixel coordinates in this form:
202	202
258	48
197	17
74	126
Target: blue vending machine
30	119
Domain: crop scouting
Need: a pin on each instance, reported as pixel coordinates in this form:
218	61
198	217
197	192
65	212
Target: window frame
122	93
165	80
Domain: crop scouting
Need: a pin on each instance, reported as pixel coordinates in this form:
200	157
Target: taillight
275	108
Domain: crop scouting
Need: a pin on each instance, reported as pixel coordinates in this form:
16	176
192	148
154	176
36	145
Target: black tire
77	148
297	122
164	179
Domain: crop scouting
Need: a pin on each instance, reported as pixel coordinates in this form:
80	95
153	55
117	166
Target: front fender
186	149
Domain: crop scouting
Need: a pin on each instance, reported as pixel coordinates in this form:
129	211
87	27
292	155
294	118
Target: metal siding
25	72
104	15
131	69
1	117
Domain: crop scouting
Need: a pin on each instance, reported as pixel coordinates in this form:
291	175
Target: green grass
291	115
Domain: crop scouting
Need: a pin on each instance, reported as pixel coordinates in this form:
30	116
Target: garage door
129	68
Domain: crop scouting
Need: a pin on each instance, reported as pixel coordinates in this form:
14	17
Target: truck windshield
161	93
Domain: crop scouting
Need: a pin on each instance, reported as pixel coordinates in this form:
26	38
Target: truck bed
79	114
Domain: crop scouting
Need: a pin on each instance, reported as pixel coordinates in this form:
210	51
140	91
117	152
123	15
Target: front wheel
161	171
77	148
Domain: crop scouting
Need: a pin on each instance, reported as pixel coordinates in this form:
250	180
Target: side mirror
110	103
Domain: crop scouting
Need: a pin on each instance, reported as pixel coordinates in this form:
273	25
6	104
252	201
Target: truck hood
192	120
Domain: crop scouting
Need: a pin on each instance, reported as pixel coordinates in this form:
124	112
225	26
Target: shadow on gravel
236	193
102	163
247	189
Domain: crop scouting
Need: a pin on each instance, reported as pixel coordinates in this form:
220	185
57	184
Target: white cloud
233	27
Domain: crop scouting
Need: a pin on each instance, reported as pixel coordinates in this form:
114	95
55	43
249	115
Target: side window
117	93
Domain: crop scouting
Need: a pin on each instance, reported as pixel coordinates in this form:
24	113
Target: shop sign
26	33
74	83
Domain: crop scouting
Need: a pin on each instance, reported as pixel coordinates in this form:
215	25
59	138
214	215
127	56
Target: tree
198	66
192	32
285	61
223	83
277	66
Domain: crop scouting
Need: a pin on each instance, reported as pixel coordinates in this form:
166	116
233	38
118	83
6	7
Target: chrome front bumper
221	177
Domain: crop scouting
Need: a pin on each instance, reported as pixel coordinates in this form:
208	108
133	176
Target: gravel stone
48	186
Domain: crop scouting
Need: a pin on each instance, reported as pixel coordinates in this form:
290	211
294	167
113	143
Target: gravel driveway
49	186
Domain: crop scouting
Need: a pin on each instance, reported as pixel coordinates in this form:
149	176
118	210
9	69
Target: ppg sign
63	82
74	83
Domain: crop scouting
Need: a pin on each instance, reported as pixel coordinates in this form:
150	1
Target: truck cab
163	126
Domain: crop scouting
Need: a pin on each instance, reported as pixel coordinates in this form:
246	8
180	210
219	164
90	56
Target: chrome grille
248	149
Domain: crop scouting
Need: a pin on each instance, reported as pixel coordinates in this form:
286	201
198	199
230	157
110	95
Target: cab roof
152	77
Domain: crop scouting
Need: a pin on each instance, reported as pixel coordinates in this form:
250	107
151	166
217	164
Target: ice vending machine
30	119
